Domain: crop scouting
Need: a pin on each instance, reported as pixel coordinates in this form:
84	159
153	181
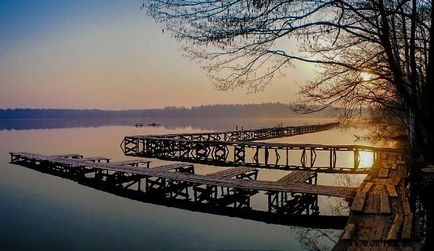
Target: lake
44	212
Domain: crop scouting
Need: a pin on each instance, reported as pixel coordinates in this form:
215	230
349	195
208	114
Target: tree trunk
420	131
411	132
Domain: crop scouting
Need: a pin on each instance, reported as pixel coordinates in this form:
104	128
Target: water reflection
341	207
36	206
317	239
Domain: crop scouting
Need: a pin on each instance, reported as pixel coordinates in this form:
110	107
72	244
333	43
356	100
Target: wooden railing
239	150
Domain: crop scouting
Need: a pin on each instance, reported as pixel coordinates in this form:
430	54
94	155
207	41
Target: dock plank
367	187
232	172
93	159
359	201
348	232
406	206
296	177
383	173
406	228
396	227
391	190
384	204
168	167
70	155
131	162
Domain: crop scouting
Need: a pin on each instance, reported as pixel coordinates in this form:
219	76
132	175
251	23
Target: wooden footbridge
225	192
241	148
380	214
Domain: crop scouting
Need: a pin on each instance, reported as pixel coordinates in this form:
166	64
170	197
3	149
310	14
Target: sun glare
366	159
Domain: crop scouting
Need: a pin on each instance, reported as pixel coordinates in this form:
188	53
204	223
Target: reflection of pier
236	148
224	192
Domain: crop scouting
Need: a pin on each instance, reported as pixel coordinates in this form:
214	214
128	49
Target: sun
366	159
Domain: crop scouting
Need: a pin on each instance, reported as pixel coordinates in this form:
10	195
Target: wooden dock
238	148
380	214
250	135
295	194
235	178
94	175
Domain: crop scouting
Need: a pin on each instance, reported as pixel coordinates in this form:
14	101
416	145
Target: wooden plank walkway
249	135
127	191
380	214
234	172
219	149
70	155
135	163
254	154
96	159
174	167
297	177
342	192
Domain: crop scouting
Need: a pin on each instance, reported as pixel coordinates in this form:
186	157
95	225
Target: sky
107	54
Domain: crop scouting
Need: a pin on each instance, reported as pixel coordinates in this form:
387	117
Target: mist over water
201	124
44	212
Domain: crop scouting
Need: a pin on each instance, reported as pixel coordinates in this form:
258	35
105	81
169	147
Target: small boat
153	124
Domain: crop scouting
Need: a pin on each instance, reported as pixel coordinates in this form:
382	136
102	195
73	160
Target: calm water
44	212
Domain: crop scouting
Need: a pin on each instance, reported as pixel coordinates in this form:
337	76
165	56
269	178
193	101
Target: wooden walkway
238	148
380	213
167	193
219	179
249	135
380	216
297	177
239	172
225	192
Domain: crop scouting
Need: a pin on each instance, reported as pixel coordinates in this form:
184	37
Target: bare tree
370	53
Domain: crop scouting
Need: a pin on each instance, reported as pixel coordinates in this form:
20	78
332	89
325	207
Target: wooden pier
250	135
380	213
236	178
237	148
295	194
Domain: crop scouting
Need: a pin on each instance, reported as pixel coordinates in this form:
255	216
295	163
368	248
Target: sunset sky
105	54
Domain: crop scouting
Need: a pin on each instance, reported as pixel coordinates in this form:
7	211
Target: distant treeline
270	110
